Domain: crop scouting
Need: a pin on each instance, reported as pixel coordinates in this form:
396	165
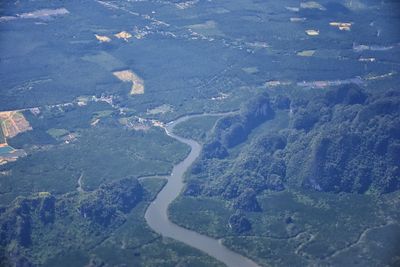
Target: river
157	212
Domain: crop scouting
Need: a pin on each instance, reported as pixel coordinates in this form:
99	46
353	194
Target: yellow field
123	35
130	76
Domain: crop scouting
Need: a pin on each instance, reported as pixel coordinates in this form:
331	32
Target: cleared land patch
250	70
312	32
103	38
130	76
343	26
306	53
208	28
123	35
13	123
160	109
312	5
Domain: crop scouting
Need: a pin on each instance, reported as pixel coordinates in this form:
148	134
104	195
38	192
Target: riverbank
157	213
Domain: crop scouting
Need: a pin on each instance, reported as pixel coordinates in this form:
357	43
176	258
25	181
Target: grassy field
196	128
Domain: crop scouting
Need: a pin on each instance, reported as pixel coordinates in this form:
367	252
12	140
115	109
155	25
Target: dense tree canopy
341	140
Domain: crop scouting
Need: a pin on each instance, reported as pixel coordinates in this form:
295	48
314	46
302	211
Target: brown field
13	123
123	35
130	76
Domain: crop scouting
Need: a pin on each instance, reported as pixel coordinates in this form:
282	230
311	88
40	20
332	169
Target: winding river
157	212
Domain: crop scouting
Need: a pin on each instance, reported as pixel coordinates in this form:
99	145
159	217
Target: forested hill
340	140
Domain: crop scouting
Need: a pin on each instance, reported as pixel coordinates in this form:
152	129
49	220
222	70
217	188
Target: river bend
157	212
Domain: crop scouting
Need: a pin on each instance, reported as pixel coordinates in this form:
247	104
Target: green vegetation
2	137
107	224
152	185
309	151
307	174
306	227
296	188
196	128
211	215
57	133
100	153
313	227
102	114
